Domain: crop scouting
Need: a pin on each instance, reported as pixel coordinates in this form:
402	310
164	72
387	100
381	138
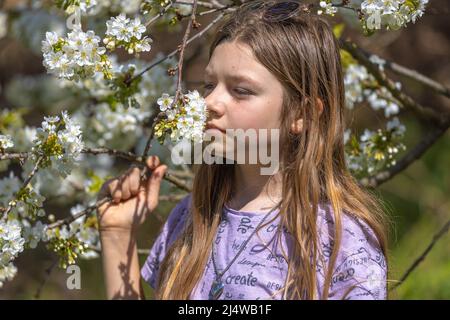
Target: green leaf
338	29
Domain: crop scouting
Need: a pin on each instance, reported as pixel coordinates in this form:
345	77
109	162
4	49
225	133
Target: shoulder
175	221
360	261
180	209
354	229
171	229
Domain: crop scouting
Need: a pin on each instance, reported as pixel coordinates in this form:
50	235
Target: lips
212	126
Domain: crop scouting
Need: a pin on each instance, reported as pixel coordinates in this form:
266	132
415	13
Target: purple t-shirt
260	270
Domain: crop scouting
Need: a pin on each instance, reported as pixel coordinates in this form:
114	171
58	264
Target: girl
306	232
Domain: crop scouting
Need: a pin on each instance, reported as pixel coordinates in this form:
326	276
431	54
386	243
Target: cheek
261	113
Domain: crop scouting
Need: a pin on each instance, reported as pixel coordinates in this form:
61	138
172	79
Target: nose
214	105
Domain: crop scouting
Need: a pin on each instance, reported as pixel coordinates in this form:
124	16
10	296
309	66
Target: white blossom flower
376	149
395	125
86	5
124	32
119	127
30	203
117	27
377	60
327	7
34	234
8	186
374	20
85	233
356	78
49	124
71	136
59	140
366	135
347	134
391	13
419	12
76	57
6	142
383	99
136	28
7	272
184	120
51	38
164	102
11	241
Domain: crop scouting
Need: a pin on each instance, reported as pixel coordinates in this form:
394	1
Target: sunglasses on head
276	12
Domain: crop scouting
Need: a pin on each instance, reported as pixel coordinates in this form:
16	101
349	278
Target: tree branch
13	202
13	156
197	35
409	158
160	14
413	74
139	160
48	272
381	77
180	71
422	257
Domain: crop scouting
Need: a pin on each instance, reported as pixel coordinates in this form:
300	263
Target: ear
320	106
297	126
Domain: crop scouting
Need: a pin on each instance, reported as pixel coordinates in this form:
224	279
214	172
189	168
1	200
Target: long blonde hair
303	54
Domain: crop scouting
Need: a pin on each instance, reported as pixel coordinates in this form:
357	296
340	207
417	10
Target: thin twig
160	14
148	144
15	155
77	215
180	71
418	77
47	274
171	54
181	59
117	153
416	263
13	202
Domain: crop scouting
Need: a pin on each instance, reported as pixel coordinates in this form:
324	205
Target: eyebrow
237	77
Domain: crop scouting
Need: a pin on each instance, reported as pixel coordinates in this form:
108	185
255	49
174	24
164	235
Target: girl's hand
132	199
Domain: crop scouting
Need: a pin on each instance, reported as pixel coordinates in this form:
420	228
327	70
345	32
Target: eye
242	91
207	86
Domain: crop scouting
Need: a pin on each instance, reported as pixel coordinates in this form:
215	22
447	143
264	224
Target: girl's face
240	93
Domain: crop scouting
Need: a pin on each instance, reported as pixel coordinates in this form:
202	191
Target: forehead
236	60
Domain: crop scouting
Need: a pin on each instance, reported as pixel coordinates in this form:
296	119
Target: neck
253	190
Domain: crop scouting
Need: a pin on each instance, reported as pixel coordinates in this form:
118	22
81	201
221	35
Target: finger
153	186
104	190
126	193
125	184
134	181
152	162
115	190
